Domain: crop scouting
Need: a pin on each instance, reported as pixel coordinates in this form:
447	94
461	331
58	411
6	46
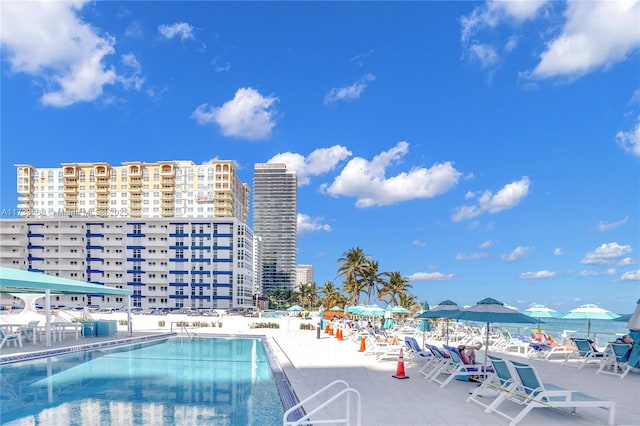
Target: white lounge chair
7	338
616	360
543	395
586	352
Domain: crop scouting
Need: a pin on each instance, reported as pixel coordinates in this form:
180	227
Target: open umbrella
541	311
445	309
400	310
295	308
590	312
492	311
336	309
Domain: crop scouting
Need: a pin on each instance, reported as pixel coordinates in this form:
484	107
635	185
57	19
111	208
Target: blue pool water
212	381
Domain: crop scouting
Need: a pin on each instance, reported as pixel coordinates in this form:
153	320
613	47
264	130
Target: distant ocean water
605	329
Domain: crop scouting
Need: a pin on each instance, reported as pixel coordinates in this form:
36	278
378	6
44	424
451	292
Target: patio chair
438	361
459	368
586	352
30	331
543	395
500	385
616	360
7	338
415	350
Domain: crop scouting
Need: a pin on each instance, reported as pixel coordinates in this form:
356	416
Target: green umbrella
336	309
590	312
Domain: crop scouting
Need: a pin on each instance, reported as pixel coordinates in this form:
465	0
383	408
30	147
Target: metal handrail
347	420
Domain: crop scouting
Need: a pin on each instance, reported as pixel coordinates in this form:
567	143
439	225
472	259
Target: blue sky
479	148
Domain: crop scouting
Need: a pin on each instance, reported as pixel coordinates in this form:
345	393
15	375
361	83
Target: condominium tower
134	189
275	222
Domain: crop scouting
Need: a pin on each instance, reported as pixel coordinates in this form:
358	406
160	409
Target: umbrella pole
446	325
486	349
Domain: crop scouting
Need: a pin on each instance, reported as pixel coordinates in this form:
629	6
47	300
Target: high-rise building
304	275
168	263
275	222
135	189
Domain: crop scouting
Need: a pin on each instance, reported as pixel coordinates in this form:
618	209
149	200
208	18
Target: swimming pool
213	381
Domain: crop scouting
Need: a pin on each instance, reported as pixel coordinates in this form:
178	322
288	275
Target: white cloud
537	275
320	161
348	93
558	252
472	256
430	276
507	198
367	181
588	273
49	41
307	224
134	80
606	254
596	34
485	54
517	253
248	115
631	276
486	244
494	12
630	141
627	261
180	29
419	243
602	226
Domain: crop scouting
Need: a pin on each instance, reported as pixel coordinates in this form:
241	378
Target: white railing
352	415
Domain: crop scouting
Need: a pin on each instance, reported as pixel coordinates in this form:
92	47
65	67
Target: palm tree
352	265
373	279
309	295
393	287
353	288
409	301
331	295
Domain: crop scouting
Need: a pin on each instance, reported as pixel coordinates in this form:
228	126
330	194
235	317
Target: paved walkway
311	363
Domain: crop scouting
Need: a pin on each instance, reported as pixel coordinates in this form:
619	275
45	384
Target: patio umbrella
590	312
400	310
336	309
491	311
295	308
425	325
634	332
445	309
541	311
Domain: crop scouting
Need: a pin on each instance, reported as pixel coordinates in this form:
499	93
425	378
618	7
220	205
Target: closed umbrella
493	311
425	324
634	332
590	312
445	309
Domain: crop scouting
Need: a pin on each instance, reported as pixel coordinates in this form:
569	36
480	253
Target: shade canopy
491	310
541	311
336	309
19	281
445	309
634	321
295	308
400	310
590	312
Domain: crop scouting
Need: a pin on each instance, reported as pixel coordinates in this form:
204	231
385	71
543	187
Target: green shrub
161	323
307	326
264	325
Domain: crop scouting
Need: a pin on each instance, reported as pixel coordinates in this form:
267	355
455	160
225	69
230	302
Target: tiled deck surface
311	363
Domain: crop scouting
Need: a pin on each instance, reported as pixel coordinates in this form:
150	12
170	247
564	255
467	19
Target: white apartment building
304	275
179	189
168	262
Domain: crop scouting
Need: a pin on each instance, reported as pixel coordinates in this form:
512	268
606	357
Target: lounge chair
440	360
415	350
7	338
547	351
458	368
502	383
585	353
616	360
543	395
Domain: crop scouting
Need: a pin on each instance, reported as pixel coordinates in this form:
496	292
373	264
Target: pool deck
311	363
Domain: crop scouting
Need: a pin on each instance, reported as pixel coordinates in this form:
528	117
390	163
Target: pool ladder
352	402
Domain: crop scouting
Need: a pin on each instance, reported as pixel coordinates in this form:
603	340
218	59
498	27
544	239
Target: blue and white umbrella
590	312
541	311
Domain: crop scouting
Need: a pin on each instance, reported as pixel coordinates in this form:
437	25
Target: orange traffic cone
339	334
327	328
400	369
330	331
363	345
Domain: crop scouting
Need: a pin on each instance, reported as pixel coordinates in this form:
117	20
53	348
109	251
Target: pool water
214	381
